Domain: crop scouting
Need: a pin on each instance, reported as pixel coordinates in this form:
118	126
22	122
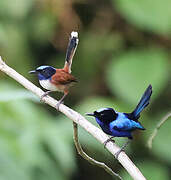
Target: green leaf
59	137
23	130
93	48
16	9
14	45
43	27
147	14
129	74
13	95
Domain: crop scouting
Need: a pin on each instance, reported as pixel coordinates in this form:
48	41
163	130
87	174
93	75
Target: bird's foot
45	94
122	148
108	140
117	153
58	104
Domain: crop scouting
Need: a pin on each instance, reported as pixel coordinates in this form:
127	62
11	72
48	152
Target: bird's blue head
44	72
105	115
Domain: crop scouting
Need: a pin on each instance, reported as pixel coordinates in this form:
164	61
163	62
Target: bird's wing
62	77
121	125
125	125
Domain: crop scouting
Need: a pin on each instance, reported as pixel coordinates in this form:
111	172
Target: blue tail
143	103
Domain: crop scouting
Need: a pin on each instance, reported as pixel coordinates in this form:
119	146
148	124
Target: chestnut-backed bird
119	124
60	80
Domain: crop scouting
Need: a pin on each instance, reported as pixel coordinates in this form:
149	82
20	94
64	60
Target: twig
77	118
161	122
87	157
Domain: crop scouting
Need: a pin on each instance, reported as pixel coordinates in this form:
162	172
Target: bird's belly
48	85
62	88
115	133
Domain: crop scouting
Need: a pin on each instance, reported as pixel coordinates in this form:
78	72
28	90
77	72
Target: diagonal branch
161	122
88	158
77	118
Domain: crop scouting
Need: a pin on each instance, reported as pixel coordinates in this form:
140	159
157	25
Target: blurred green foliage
151	67
124	46
146	14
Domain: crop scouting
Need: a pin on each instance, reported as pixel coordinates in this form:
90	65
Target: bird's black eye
44	71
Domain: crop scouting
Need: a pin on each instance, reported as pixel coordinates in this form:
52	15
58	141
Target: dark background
124	46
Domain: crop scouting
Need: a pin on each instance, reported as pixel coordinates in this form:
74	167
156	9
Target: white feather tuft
74	34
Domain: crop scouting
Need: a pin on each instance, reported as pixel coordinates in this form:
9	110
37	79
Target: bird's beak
33	72
90	114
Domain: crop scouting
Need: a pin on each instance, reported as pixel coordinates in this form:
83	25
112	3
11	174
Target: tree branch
77	118
161	122
87	157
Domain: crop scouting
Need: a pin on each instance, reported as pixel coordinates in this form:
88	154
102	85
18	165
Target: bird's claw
41	98
108	140
122	149
117	153
58	104
45	94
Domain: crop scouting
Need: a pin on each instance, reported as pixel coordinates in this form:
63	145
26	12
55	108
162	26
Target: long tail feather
145	99
72	46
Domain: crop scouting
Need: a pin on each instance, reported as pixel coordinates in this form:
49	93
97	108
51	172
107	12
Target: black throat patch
106	115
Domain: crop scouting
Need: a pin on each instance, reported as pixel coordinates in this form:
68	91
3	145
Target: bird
119	124
53	79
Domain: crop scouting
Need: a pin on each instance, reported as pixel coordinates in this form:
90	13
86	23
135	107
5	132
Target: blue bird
118	124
